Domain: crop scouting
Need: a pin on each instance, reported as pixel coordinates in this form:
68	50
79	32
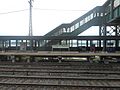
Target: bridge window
89	43
27	42
86	20
13	42
61	31
107	9
64	30
37	44
116	13
82	22
68	30
64	42
116	3
18	42
72	28
82	43
101	43
76	25
101	14
111	43
70	42
96	42
6	43
91	16
98	14
94	14
74	43
1	44
119	43
34	43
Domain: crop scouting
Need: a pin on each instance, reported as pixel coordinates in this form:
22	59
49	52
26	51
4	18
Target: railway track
58	83
60	71
59	67
59	76
65	64
54	87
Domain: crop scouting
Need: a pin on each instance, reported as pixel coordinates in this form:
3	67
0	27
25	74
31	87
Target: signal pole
30	18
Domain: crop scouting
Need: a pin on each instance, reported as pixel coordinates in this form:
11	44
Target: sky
46	15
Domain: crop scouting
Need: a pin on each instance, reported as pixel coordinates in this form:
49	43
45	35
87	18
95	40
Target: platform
63	54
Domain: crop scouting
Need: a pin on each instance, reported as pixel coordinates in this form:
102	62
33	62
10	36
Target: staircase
94	17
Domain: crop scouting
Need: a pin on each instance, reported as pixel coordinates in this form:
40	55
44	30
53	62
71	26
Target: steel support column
117	33
102	32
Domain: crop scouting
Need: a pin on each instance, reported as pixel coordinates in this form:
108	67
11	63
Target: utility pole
30	18
30	23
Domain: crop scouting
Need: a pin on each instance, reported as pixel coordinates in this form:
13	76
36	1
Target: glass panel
119	11
97	14
101	14
84	43
1	44
68	29
82	22
119	43
74	43
86	20
89	43
76	25
72	28
91	16
107	10
13	42
64	30
95	42
116	3
28	42
7	43
101	43
94	14
116	13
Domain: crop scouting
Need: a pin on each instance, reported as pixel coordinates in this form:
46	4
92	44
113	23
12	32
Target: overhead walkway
92	18
57	30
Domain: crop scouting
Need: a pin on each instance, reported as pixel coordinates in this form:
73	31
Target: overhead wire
59	10
41	9
13	11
